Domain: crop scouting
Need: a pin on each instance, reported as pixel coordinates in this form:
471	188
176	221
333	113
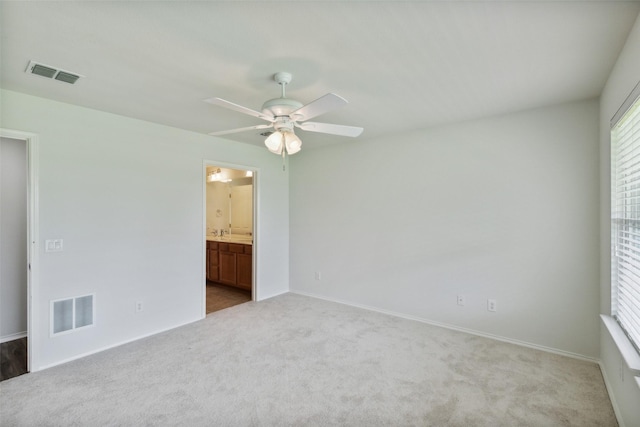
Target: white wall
503	208
623	78
127	197
13	239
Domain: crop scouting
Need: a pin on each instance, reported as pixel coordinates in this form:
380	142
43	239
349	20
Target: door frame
33	245
256	226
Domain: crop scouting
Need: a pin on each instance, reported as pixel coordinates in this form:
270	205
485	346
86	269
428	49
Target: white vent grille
52	72
71	314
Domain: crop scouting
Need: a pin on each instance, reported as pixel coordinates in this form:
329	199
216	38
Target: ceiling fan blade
321	105
239	108
332	129
225	132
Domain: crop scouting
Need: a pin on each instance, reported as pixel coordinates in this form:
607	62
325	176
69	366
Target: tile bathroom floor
220	296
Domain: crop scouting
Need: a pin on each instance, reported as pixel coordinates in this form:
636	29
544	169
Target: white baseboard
89	353
271	296
456	328
80	356
12	337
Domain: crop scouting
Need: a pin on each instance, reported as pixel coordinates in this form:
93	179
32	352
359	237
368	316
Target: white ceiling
401	65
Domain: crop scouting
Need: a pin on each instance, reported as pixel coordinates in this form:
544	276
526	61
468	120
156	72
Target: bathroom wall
230	206
217	206
241	218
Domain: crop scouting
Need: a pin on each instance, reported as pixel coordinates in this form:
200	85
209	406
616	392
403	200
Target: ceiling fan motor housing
283	124
280	107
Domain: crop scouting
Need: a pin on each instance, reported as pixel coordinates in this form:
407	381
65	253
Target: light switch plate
53	245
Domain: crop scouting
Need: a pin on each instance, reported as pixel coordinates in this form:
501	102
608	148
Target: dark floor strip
13	358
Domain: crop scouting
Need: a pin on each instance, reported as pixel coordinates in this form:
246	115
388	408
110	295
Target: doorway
18	248
229	239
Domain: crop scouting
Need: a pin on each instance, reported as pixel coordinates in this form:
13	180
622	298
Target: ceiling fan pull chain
284	152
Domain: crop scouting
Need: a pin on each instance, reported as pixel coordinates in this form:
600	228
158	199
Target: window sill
628	351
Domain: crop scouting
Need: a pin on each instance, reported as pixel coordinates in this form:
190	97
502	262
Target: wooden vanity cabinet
212	261
232	266
244	262
227	265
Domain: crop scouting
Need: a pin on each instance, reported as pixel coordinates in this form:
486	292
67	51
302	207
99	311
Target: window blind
625	222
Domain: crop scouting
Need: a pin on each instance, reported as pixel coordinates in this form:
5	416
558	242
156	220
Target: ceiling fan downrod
283	79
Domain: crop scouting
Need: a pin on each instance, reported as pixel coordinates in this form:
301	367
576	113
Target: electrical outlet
491	305
318	276
461	299
139	306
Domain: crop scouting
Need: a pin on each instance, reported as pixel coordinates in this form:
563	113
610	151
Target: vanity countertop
245	240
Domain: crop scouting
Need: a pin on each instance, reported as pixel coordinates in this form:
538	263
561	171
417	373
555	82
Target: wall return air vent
52	72
71	314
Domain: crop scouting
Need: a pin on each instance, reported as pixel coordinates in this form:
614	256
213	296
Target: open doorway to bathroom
229	237
19	247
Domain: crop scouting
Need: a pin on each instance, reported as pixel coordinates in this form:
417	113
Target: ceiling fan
284	114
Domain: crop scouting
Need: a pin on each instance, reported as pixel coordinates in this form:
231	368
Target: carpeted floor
299	361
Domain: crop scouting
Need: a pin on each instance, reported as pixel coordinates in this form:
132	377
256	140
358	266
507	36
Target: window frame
626	327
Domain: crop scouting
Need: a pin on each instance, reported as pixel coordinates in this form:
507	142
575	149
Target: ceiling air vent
52	72
63	76
43	71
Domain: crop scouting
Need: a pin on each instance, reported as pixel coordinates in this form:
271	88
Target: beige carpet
298	361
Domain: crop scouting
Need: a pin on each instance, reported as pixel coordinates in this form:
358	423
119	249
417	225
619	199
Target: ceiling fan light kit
285	114
279	141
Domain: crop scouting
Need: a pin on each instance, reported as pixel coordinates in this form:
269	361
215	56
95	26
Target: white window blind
625	222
